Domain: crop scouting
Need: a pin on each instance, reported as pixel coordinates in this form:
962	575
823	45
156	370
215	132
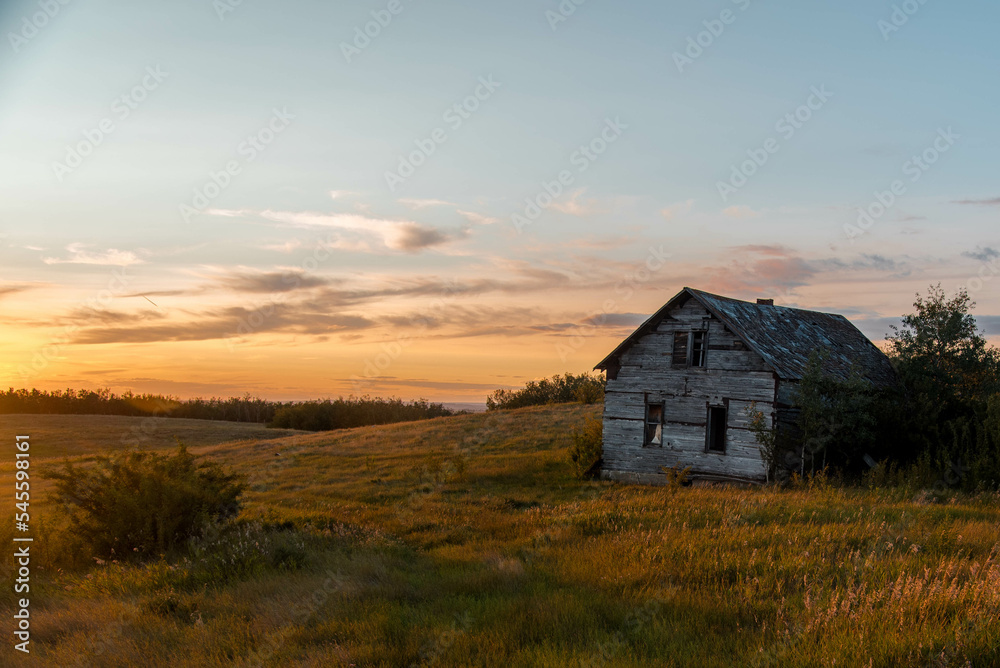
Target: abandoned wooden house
679	387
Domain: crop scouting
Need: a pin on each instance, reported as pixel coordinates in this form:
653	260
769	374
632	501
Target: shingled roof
785	337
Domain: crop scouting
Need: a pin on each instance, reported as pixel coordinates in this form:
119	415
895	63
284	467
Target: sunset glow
272	213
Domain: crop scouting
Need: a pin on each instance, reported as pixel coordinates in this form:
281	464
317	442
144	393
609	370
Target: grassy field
77	435
466	541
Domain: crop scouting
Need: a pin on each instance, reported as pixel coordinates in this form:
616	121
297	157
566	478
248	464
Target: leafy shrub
766	436
676	476
564	389
588	446
141	504
837	422
589	393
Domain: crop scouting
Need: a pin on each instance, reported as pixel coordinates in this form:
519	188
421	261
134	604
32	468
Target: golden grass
467	541
76	435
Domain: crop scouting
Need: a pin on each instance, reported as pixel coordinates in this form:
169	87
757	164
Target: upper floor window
690	348
680	354
699	346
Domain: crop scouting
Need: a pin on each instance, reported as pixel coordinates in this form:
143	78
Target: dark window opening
654	424
699	341
716	435
680	355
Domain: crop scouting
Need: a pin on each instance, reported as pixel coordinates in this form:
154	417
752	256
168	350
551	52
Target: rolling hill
466	541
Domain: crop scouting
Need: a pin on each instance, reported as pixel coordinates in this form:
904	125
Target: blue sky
521	294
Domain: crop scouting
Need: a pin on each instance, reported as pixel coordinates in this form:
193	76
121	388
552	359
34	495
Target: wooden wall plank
732	374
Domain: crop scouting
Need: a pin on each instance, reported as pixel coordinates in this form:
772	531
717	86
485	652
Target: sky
435	199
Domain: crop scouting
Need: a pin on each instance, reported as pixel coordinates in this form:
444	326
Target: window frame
688	337
703	350
711	427
647	442
684	336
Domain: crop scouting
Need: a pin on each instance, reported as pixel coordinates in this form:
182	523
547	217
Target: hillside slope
465	541
76	435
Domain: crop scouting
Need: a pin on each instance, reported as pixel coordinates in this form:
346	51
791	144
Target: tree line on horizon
317	415
567	388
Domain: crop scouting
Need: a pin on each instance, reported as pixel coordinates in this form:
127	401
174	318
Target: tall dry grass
469	541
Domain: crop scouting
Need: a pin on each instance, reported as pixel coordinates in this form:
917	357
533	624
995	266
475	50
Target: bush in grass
141	504
676	476
588	446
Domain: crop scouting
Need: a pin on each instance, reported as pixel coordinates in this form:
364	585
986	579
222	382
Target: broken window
680	356
654	424
699	344
690	348
716	430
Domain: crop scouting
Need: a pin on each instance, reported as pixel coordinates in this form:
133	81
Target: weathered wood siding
732	374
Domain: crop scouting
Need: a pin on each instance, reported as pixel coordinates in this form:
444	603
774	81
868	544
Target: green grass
467	541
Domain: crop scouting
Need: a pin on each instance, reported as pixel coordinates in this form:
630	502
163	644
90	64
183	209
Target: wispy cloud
995	201
982	254
285	247
341	194
402	235
478	218
78	254
228	213
741	211
14	288
678	209
296	319
273	282
577	206
599	243
425	203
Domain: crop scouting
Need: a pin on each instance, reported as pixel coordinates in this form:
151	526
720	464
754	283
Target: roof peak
782	335
758	304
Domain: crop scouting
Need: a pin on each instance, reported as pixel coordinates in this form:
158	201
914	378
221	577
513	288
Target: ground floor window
716	432
654	424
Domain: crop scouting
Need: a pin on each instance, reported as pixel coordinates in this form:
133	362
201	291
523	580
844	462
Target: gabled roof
785	337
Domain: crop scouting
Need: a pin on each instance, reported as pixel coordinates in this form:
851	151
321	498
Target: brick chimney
765	302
